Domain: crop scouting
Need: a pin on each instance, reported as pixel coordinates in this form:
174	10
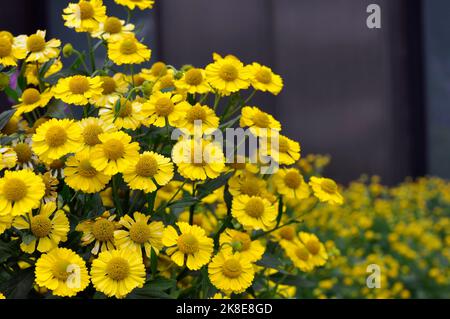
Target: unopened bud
67	50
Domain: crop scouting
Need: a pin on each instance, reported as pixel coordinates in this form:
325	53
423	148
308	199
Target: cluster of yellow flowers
93	189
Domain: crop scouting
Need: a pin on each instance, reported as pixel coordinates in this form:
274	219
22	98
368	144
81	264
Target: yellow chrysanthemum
112	28
285	233
117	272
231	272
91	128
112	86
246	183
139	234
263	79
5	223
284	151
164	108
32	70
122	113
127	50
84	16
232	240
78	89
133	4
32	99
8	157
82	176
20	192
198	160
48	228
199	117
39	50
227	75
193	81
254	212
316	249
56	138
157	70
115	153
10	51
191	246
298	254
259	122
290	183
148	171
62	271
99	231
326	190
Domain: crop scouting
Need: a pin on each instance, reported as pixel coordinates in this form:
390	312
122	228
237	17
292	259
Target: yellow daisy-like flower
56	138
32	99
158	70
148	171
164	108
199	117
285	233
112	28
246	183
298	254
326	190
254	212
165	82
10	51
218	295
285	151
193	81
31	71
20	192
227	75
231	272
84	16
5	223
139	234
190	246
128	50
259	122
198	160
99	231
133	4
122	113
117	272
115	153
8	157
112	86
232	240
62	271
91	128
263	79
290	183
78	89
316	249
2	296
48	228
39	50
82	176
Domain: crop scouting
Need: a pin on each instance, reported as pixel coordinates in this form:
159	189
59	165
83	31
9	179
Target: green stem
91	53
192	208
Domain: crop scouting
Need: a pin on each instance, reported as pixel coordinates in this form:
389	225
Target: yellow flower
165	83
78	89
91	128
39	50
62	271
232	240
263	79
112	86
139	234
107	198
111	28
290	183
84	16
32	99
231	272
117	272
227	75
82	176
31	71
20	192
127	50
326	190
199	117
259	122
10	51
99	231
198	160
191	246
2	296
193	81
8	158
56	138
164	108
316	249
285	233
132	4
115	153
218	295
48	229
5	223
149	170
122	113
298	254
254	212
158	70
246	183
285	152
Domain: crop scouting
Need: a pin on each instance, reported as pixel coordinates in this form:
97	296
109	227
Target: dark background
376	100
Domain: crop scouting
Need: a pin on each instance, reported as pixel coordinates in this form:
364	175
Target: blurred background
376	100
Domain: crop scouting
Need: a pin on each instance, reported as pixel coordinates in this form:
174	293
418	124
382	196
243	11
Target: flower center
35	43
228	73
138	80
113	25
126	108
292	179
147	166
15	189
86	10
232	268
241	241
118	268
103	230
56	136
166	82
85	169
59	270
261	119
283	145
194	77
313	246
128	47
158	69
250	187
5	47
41	226
254	207
188	244
329	186
90	134
264	76
79	84
30	96
140	233
196	113
114	149
302	253
287	233
164	106
23	152
109	85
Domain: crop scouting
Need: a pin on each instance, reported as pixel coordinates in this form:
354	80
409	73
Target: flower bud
67	50
147	88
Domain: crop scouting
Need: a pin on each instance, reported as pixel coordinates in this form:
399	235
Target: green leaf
184	202
19	285
207	188
270	261
291	280
153	262
161	283
5	117
148	293
12	94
